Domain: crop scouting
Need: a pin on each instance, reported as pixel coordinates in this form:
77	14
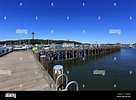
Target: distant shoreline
36	41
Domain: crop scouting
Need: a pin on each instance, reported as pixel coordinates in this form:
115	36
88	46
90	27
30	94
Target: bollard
57	70
43	62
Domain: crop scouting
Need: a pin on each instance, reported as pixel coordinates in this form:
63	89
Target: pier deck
20	70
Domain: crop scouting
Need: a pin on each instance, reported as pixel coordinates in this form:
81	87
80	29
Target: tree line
35	41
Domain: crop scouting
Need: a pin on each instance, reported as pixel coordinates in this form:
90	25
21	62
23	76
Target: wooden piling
43	62
57	70
57	55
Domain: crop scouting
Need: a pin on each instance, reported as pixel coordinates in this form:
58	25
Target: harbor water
114	71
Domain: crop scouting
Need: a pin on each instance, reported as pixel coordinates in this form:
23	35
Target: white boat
131	46
20	47
46	47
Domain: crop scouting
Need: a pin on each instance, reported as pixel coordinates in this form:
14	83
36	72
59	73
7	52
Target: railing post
66	88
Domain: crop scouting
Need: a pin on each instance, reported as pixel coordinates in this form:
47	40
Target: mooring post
57	70
88	51
73	53
58	54
43	62
66	55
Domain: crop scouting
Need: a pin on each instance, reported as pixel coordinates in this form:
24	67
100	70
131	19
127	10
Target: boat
45	47
19	47
131	46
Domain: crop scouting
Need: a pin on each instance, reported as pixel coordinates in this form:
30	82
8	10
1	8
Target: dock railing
67	83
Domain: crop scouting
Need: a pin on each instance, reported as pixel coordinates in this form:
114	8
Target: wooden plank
26	73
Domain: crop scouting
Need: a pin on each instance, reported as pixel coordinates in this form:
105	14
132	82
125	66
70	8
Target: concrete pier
20	70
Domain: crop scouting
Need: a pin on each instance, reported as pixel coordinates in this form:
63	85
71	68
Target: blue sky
77	20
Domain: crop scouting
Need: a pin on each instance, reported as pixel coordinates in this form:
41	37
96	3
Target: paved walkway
20	70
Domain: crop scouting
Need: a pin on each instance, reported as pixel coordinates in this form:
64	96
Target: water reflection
119	71
77	62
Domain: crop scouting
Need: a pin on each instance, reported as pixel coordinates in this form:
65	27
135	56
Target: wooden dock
20	70
53	55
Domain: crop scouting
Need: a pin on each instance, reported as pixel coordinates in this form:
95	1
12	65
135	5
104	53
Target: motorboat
20	47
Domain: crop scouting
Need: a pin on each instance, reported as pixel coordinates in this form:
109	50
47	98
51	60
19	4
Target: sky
86	21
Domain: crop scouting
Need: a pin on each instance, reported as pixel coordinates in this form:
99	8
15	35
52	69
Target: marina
55	56
36	66
67	45
86	67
